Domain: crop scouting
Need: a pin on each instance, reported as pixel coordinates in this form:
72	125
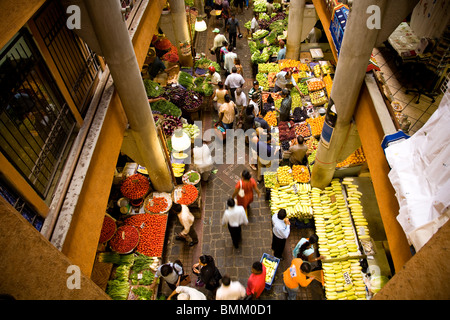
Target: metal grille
35	121
76	63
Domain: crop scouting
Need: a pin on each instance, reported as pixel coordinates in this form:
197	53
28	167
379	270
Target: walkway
214	239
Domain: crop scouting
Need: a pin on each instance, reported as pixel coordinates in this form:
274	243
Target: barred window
35	121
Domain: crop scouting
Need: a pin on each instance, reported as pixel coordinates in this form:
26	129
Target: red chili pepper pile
152	229
125	239
157	205
135	186
189	194
108	229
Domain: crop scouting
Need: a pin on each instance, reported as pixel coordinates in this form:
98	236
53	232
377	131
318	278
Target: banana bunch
271	267
294	198
333	223
178	169
344	280
356	209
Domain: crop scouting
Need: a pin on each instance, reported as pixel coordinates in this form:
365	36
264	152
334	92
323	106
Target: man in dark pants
280	232
233	29
234	217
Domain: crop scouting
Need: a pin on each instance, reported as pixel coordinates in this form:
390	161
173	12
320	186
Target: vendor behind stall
285	80
299	152
286	105
155	65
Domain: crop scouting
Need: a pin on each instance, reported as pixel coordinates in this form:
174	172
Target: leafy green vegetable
143	293
118	289
153	89
186	80
166	107
115	258
141	261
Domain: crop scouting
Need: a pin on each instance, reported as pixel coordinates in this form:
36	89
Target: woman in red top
248	184
257	281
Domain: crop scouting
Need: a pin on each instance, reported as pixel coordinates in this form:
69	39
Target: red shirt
256	283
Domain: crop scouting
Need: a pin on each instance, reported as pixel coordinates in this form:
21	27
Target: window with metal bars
35	121
76	63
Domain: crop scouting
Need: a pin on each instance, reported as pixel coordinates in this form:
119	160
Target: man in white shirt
230	290
234	216
284	78
218	43
187	293
187	220
280	232
234	81
229	60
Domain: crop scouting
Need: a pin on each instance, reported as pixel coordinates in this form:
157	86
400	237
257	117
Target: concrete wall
33	269
426	276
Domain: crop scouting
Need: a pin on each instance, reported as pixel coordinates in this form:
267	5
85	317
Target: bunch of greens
186	80
153	89
119	287
115	258
143	293
204	63
166	107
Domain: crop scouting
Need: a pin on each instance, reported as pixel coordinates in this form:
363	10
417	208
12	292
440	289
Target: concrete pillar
176	28
354	56
118	51
294	31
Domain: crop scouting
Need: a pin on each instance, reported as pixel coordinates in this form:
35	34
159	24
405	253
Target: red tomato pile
189	194
125	239
157	205
152	229
135	186
108	229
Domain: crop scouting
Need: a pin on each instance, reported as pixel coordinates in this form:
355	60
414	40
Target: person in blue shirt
306	249
282	52
280	232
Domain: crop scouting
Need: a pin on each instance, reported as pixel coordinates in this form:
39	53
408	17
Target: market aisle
214	239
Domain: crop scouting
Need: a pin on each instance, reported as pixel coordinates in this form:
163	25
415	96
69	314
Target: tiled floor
418	113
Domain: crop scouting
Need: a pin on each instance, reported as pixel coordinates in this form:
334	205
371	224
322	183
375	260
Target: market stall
133	235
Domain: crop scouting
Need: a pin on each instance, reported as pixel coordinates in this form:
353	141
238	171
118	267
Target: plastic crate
338	24
268	286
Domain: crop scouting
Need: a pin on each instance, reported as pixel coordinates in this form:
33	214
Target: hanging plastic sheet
420	175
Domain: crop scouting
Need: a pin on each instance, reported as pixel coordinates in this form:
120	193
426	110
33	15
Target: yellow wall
81	242
14	15
371	134
32	268
82	239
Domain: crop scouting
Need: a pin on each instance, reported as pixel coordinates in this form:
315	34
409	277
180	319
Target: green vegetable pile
166	107
136	272
268	67
205	63
259	34
259	6
153	89
186	80
263	81
143	293
203	87
119	287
